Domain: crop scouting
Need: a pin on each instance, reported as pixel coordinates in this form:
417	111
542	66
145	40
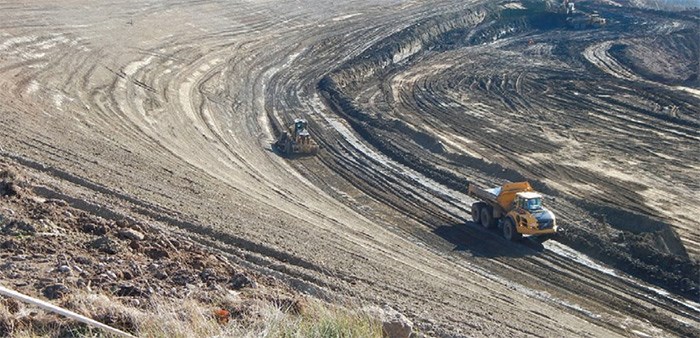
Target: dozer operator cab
300	132
300	127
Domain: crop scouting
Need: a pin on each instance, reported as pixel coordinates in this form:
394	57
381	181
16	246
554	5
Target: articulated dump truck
516	208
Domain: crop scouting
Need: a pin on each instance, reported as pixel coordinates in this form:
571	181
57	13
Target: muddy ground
169	110
561	107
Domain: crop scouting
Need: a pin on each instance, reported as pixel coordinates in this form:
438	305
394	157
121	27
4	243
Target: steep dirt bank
59	248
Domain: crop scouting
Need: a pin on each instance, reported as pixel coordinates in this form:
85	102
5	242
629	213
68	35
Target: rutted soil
167	111
531	105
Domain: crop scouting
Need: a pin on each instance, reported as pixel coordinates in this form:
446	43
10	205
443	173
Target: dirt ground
63	249
167	111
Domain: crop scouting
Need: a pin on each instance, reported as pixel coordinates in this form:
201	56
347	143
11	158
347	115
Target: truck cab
529	214
528	201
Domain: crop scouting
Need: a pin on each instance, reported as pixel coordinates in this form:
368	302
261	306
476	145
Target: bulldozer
296	140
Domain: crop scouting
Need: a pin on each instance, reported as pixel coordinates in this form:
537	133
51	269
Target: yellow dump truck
515	207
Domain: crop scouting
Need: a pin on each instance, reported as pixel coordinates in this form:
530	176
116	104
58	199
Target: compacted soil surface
156	120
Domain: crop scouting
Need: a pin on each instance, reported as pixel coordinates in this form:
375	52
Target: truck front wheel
509	231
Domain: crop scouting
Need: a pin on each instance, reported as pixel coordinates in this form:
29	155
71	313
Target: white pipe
61	311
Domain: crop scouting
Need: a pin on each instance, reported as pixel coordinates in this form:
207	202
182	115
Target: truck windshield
533	204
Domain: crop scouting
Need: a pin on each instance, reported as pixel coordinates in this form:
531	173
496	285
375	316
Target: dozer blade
306	149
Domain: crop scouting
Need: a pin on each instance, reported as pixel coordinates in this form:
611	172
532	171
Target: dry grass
318	320
192	318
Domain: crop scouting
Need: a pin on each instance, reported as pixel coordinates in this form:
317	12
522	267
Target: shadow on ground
479	242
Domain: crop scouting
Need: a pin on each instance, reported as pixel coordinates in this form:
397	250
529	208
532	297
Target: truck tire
486	217
509	231
476	211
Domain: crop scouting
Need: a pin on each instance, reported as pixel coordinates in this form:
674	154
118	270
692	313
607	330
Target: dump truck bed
486	195
499	197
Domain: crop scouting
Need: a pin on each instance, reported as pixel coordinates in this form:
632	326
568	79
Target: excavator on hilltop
296	140
515	207
578	19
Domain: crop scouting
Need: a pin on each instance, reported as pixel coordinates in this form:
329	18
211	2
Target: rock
183	277
167	244
9	245
57	202
8	187
198	263
161	275
37	199
239	281
47	226
128	290
95	229
138	227
19	258
154	253
55	291
135	245
106	245
131	234
122	223
83	260
394	324
222	316
64	269
18	228
208	274
8	266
